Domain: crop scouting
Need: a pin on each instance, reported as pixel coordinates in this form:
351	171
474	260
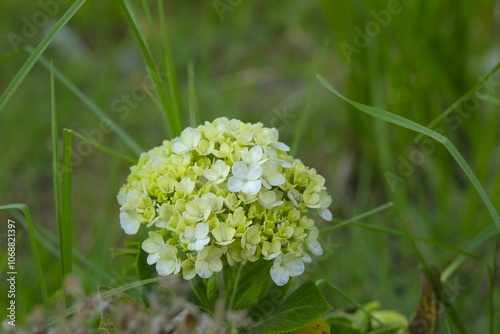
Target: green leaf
341	325
144	270
212	291
252	281
393	322
206	291
302	307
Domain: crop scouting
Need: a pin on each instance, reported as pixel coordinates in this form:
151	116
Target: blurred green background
255	62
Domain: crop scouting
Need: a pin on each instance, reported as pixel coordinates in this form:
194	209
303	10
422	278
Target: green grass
258	62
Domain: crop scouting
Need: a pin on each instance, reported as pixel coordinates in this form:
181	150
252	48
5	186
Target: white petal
306	258
315	248
276	179
200	243
122	199
149	246
190	137
275	204
211	175
251	187
313	234
281	146
202	269
326	214
188	274
234	184
293	195
254	171
215	265
240	170
295	267
153	258
179	148
201	231
279	275
165	267
255	153
128	224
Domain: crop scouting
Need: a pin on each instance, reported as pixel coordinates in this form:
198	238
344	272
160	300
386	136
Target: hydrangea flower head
221	194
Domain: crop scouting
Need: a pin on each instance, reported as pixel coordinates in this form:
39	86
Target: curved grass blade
359	217
34	245
37	52
408	124
120	132
470	92
429	241
478	240
103	148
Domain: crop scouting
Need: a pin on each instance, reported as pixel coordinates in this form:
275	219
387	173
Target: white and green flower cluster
224	193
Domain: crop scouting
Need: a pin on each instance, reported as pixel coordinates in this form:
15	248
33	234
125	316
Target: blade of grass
37	52
429	241
157	43
194	113
359	217
103	148
408	124
65	224
169	66
56	182
173	119
34	245
458	102
478	240
120	132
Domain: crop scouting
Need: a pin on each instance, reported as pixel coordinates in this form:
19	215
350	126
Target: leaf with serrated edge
302	307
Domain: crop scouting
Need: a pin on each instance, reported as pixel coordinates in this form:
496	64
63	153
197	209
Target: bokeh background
257	62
